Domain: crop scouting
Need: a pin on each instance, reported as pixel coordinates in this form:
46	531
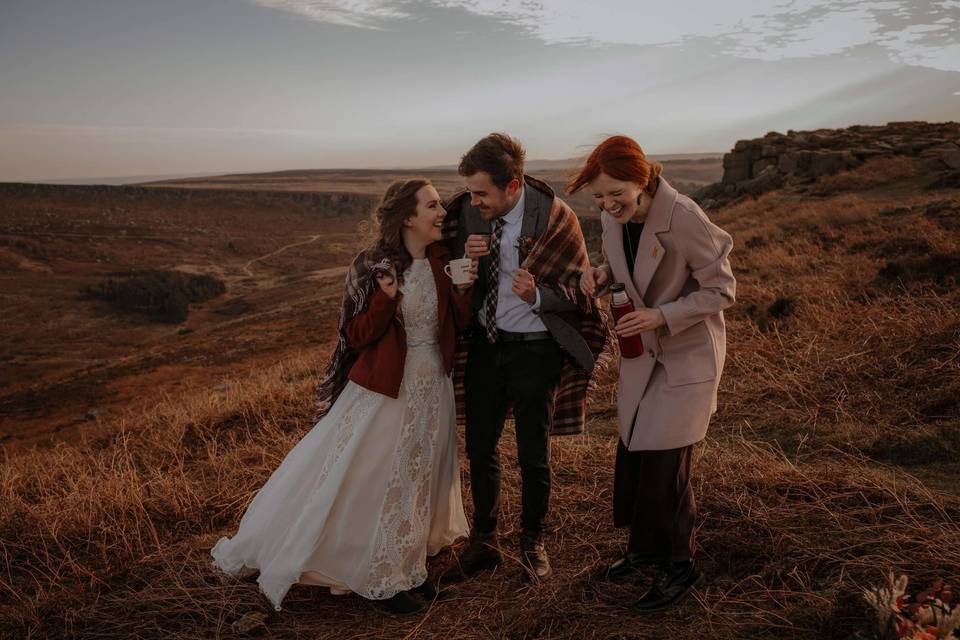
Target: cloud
917	32
367	14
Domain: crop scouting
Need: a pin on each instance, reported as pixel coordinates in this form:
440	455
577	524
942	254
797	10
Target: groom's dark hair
497	154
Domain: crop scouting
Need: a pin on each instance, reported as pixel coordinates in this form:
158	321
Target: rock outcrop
756	166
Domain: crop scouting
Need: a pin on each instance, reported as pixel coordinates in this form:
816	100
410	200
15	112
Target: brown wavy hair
499	155
398	204
621	158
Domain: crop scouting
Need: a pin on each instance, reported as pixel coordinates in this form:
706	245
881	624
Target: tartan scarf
555	259
361	283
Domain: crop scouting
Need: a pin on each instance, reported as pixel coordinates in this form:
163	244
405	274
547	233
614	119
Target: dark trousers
525	375
652	495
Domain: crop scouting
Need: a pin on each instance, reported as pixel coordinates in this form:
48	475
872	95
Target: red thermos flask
621	305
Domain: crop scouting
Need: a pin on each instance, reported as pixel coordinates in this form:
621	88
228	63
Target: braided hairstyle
399	203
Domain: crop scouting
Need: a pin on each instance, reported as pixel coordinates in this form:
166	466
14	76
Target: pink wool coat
667	395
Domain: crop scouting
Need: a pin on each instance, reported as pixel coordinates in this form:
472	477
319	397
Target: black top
631	242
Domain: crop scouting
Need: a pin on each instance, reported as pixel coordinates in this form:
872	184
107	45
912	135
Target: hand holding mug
478	245
593	281
463	272
463	288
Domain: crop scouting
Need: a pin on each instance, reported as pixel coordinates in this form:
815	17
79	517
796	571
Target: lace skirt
362	500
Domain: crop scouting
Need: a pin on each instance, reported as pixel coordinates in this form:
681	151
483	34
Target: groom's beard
491	213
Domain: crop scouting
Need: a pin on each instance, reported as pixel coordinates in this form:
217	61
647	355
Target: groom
528	337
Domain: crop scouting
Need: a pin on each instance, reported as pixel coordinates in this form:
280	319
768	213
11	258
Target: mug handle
446	270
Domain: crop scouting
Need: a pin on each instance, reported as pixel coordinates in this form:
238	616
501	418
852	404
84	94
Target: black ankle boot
426	591
673	581
401	604
625	567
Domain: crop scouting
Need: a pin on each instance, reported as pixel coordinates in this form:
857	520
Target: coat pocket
689	357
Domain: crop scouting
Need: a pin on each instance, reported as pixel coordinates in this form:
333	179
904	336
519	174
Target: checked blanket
555	259
361	283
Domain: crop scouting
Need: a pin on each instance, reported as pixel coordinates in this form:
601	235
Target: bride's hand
463	288
388	283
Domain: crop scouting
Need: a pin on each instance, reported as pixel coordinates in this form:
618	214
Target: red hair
621	158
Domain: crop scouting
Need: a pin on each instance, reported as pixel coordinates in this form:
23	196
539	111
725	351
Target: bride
374	487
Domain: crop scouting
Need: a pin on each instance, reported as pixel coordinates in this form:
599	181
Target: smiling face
492	201
425	225
618	198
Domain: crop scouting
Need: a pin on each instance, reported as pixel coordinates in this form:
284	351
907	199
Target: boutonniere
524	246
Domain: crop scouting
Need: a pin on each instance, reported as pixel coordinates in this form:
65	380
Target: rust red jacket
378	336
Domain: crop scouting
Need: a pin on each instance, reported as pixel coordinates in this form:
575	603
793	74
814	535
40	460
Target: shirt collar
516	214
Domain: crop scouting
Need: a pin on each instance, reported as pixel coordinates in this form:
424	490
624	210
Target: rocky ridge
777	160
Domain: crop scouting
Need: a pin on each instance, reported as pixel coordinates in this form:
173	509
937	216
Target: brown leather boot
534	557
482	552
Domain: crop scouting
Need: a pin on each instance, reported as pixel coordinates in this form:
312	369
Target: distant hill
570	163
118	180
687	172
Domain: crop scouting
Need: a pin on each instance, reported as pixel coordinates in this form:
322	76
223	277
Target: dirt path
246	267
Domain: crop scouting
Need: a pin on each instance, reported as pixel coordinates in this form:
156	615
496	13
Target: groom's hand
478	245
524	286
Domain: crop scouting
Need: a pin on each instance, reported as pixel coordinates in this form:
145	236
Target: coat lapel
650	251
531	213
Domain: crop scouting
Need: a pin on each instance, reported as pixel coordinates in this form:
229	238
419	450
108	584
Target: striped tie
493	282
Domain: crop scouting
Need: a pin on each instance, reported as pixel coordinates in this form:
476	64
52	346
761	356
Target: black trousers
652	495
524	375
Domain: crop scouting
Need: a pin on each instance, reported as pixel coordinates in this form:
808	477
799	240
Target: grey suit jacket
559	315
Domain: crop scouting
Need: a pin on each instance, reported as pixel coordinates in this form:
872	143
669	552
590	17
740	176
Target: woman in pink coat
673	263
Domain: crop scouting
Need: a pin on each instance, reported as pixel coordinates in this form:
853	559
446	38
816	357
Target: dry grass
872	174
111	539
862	362
836	382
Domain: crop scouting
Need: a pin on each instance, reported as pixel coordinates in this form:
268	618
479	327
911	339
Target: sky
99	88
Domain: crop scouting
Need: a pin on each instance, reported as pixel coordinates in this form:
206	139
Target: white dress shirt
513	313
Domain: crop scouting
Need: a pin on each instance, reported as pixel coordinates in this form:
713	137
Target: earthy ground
71	367
832	459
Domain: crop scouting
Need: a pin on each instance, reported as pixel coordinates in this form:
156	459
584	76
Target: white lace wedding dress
372	489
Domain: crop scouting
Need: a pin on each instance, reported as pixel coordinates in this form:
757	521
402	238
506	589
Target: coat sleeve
462	306
706	249
552	302
369	325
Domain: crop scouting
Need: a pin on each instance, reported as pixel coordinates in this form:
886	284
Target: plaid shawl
555	259
361	283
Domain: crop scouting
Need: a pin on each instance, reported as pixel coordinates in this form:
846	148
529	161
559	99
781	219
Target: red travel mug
621	305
